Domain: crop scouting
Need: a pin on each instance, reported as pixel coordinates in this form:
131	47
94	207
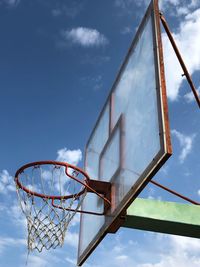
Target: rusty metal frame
180	59
161	70
164	129
175	193
165	152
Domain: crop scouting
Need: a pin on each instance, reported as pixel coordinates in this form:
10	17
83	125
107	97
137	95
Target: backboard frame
166	149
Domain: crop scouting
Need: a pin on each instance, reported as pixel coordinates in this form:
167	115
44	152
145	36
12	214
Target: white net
46	223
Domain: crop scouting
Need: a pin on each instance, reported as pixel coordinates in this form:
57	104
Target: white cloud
71	260
56	12
127	5
126	30
85	37
98	83
122	257
186	244
182	11
182	251
7	242
174	2
71	239
70	156
173	7
118	248
46	258
10	3
117	253
34	261
95	82
164	4
123	4
75	221
194	3
167	251
186	143
187	39
94	59
15	214
6	182
189	97
2	208
70	9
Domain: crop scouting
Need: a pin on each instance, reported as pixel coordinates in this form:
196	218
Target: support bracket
103	188
180	59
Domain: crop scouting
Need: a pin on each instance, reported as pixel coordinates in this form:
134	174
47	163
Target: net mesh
46	224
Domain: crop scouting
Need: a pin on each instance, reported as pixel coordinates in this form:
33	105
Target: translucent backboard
131	139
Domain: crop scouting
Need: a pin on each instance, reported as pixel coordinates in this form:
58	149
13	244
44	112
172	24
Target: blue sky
58	60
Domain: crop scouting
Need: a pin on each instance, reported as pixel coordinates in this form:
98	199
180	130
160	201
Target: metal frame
161	70
164	129
166	148
175	193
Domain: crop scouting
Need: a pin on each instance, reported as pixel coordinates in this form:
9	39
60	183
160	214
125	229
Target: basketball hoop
39	185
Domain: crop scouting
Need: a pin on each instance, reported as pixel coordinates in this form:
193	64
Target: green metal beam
164	217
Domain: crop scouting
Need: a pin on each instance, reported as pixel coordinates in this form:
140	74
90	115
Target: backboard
131	138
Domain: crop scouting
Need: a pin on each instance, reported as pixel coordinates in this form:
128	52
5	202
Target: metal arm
186	73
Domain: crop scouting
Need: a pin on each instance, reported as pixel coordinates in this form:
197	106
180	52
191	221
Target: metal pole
186	73
175	193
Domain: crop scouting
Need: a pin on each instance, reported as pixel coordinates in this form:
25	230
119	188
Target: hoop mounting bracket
103	188
98	187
